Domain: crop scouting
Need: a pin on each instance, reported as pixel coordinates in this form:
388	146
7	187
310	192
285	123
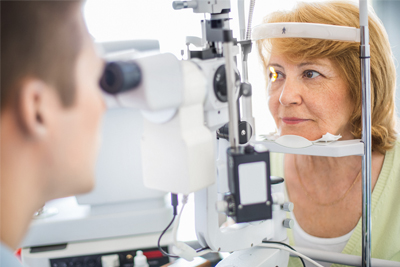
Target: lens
109	78
220	86
120	76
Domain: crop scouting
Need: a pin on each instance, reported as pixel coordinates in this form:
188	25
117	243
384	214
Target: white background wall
388	12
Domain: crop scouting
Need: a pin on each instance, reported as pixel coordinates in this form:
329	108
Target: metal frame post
366	133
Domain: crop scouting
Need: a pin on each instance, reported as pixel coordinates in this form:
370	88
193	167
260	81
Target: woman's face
309	98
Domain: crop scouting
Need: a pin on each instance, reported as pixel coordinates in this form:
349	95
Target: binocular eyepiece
120	76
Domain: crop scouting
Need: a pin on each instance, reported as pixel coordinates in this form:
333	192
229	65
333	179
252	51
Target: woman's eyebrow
311	63
275	65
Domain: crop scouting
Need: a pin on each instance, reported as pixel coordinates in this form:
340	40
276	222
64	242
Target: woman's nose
290	94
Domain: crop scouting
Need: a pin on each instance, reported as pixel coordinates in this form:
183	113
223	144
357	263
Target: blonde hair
345	56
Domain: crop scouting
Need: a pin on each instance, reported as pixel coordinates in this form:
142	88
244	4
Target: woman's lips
293	120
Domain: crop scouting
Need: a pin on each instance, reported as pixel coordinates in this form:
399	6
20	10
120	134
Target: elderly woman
314	88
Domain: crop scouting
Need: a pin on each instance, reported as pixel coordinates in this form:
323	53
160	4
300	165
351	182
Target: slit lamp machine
198	135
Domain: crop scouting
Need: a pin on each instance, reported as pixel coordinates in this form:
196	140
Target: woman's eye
311	74
274	75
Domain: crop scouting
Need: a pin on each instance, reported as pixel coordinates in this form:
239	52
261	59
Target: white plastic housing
178	155
99	246
238	236
305	30
161	86
256	257
334	149
119	175
211	6
215	111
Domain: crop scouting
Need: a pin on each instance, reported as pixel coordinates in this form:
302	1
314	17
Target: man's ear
33	108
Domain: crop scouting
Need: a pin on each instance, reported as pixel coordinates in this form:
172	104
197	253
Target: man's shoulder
7	257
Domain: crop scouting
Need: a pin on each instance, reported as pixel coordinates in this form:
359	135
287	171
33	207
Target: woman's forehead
284	61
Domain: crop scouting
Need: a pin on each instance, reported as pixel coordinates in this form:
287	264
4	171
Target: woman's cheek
273	104
273	95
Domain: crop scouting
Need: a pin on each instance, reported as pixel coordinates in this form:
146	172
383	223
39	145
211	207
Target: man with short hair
51	109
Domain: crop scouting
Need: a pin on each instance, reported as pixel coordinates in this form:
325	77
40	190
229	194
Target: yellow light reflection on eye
274	74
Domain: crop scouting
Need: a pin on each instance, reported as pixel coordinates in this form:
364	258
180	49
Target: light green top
385	211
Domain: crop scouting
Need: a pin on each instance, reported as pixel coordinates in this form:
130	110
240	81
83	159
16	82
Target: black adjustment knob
249	149
245	132
245	89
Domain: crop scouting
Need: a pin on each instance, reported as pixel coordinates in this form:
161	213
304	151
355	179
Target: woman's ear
33	108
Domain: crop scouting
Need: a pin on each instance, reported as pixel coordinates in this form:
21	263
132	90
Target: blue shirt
7	258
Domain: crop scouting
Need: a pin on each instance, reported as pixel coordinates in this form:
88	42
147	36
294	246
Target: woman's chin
307	135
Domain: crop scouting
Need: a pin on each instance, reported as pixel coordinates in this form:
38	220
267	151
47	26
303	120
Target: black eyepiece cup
120	76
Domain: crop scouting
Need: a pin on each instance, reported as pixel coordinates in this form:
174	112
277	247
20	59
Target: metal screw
288	206
240	207
243	132
288	223
177	5
268	203
222	206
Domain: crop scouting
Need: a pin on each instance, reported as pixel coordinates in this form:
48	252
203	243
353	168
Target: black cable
286	245
201	249
174	203
159	240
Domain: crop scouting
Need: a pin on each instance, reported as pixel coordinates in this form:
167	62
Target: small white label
253	182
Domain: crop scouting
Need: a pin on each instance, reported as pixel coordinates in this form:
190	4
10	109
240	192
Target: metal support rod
242	19
247	103
366	163
204	34
366	133
231	88
250	19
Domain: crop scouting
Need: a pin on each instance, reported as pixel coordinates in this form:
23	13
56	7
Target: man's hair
345	56
39	39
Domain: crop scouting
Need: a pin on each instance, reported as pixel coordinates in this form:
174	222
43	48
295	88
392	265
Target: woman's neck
326	178
328	165
326	191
